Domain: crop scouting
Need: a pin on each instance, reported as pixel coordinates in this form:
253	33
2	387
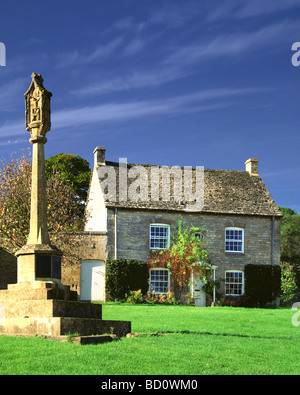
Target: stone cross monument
38	259
39	304
37	113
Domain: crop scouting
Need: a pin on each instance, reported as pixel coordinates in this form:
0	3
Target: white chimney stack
99	156
252	166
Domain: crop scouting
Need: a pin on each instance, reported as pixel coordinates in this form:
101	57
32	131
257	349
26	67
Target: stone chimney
252	166
99	156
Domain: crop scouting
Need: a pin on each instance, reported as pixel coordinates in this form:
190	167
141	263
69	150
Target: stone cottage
133	209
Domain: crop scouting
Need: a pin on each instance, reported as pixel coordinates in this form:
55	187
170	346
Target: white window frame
158	288
227	240
158	238
227	283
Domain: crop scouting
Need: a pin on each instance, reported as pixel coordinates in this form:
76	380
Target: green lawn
195	341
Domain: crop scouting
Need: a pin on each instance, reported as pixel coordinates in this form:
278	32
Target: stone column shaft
38	215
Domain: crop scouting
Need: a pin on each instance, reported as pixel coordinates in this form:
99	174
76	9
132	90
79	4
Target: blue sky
189	83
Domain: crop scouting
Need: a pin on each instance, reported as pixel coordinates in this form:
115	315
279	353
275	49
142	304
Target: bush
124	275
262	284
241	301
288	284
136	297
189	300
168	298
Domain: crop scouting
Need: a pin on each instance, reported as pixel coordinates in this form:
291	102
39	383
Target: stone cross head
37	109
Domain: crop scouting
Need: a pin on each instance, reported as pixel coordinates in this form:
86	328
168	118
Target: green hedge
262	283
124	275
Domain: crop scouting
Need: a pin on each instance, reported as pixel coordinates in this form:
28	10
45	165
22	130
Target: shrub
137	297
168	298
124	275
262	283
189	300
288	284
242	301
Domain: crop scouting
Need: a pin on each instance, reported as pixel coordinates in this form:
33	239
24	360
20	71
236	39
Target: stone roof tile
225	192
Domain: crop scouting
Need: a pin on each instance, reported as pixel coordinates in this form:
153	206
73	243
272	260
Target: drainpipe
273	231
272	257
214	299
116	234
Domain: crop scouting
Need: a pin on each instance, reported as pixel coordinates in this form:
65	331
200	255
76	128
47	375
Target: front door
198	293
92	280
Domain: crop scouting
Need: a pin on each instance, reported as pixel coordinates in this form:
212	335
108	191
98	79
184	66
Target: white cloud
12	130
136	45
174	15
231	44
124	23
78	58
233	9
186	58
258	7
134	80
170	15
9	92
120	112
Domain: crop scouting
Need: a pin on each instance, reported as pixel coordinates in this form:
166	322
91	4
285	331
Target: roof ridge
113	163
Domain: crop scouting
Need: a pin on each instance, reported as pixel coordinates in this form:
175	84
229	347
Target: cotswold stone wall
133	236
89	246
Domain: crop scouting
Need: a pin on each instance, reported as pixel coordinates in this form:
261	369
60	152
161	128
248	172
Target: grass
196	341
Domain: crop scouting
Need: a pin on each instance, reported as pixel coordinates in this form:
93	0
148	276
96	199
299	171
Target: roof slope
225	191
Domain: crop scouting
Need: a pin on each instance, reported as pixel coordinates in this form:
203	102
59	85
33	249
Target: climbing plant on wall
186	249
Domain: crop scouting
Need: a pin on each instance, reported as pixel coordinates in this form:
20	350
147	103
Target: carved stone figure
37	108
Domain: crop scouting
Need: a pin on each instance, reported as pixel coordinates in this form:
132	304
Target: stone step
90	326
52	308
37	291
54	327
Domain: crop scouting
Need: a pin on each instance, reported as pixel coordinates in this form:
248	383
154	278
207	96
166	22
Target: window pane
234	283
159	237
159	280
234	240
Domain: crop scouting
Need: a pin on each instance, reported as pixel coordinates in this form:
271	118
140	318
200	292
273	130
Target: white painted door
92	280
98	283
197	291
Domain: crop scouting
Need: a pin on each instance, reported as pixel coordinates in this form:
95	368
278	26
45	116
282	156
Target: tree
64	216
74	170
290	236
290	239
185	250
